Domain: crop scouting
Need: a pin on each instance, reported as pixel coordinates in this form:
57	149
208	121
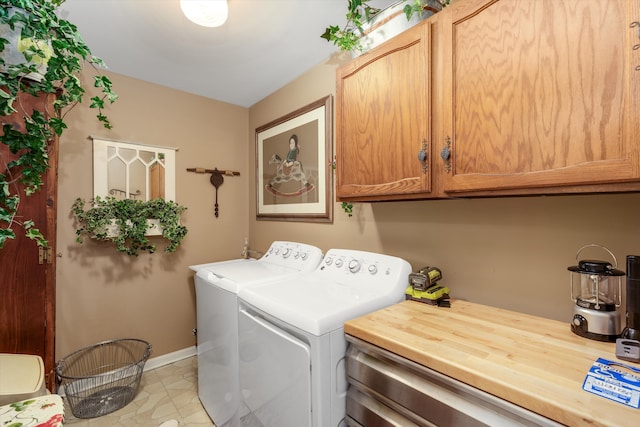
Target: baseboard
166	359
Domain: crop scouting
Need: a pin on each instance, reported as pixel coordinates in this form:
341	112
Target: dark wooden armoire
27	272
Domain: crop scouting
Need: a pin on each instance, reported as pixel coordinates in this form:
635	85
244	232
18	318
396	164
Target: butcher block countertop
533	362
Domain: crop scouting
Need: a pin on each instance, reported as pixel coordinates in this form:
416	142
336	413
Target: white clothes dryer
217	285
292	344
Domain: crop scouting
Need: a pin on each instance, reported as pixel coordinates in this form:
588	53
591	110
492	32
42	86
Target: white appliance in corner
217	285
292	344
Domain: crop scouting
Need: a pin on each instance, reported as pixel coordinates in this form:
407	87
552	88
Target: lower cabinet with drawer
388	390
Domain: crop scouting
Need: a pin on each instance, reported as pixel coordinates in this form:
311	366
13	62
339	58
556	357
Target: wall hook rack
217	179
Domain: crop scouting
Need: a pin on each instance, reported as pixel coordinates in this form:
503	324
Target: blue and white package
615	381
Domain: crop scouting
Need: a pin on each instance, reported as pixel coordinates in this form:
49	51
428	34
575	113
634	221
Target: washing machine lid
316	306
199	267
234	275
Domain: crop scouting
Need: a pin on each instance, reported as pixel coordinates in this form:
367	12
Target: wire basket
104	377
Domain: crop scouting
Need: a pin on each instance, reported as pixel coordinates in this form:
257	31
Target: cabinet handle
445	154
423	156
636	46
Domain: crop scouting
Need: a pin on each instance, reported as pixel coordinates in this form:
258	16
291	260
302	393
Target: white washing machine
292	344
217	285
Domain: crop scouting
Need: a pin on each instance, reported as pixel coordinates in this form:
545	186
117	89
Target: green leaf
5	234
102	81
35	234
5	215
57	125
329	32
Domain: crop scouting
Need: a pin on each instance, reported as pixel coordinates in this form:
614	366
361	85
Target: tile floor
165	393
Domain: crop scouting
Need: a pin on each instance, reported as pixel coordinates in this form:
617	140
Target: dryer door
275	373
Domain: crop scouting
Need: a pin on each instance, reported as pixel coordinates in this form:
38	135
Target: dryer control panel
368	268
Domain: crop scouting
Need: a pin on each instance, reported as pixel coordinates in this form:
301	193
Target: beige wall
507	252
102	294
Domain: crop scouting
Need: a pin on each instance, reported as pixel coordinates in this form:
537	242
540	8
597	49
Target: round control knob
373	269
303	255
339	263
354	266
328	261
277	251
286	253
296	254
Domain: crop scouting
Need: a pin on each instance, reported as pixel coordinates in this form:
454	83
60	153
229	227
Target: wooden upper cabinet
540	96
383	120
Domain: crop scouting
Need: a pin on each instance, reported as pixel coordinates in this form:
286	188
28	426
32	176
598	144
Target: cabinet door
27	281
383	120
540	94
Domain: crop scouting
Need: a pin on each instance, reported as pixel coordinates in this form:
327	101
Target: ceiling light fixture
208	13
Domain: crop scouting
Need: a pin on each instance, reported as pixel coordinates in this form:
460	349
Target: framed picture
293	163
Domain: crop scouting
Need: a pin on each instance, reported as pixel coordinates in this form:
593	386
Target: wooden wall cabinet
518	97
540	96
383	121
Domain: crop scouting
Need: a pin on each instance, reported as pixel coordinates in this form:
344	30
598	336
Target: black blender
628	345
596	291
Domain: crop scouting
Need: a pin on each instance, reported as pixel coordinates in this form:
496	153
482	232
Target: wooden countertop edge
552	399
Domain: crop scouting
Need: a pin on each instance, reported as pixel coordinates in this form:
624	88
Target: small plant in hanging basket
127	222
40	54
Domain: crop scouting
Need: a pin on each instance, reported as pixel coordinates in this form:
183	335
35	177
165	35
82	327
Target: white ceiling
264	44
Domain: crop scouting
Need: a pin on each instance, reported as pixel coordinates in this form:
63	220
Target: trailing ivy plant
359	12
124	222
45	41
347	207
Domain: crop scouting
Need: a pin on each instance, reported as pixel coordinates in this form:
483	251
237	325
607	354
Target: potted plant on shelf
128	223
40	54
368	26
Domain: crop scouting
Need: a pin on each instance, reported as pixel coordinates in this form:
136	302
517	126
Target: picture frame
293	165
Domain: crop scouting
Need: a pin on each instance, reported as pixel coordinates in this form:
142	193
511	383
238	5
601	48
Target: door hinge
45	254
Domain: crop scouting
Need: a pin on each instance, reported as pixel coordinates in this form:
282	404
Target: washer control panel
294	255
